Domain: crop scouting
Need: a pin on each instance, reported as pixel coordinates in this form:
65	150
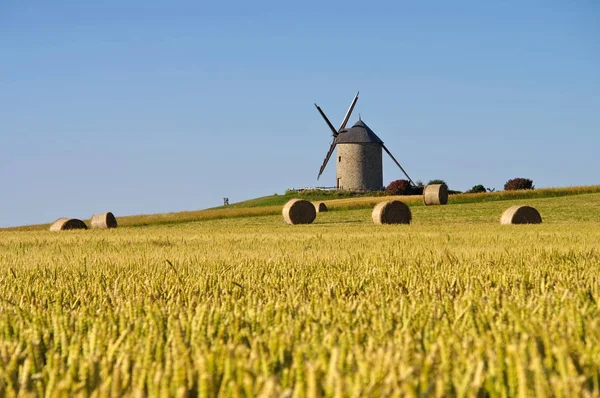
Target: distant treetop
433	182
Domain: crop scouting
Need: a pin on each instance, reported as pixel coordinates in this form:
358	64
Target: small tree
418	188
433	182
398	187
517	184
476	189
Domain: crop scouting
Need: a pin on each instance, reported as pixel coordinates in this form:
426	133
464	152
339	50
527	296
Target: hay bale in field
63	224
104	220
391	212
435	194
321	207
521	215
299	211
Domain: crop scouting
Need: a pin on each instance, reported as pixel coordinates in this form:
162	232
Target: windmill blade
398	164
333	130
345	121
331	148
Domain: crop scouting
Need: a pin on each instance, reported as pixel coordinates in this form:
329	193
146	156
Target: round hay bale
299	211
436	194
392	212
521	215
321	207
104	220
63	224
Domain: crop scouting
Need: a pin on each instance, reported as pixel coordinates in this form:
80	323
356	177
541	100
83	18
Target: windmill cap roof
360	133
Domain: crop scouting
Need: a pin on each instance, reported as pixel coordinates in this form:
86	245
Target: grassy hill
335	201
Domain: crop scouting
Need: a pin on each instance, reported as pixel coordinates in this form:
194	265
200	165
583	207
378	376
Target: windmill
359	160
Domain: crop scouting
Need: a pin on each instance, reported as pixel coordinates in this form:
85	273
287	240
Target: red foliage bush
398	187
518	184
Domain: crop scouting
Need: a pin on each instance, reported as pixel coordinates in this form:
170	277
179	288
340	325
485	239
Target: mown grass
312	195
452	305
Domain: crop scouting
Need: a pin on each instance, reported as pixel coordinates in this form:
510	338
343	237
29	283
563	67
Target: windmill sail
331	148
398	164
335	132
345	121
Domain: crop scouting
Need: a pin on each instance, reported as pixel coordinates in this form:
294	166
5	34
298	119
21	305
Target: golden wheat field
452	305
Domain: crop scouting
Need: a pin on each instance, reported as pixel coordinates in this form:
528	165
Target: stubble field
454	304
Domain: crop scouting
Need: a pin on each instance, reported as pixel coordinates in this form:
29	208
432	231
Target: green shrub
477	189
433	182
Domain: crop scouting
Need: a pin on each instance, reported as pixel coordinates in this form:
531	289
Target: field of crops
453	304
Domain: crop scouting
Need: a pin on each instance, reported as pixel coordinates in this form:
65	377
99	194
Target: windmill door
339	183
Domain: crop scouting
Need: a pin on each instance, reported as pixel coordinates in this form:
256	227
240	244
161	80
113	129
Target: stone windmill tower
359	157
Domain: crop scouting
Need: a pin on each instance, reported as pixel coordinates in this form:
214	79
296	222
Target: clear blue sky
156	106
